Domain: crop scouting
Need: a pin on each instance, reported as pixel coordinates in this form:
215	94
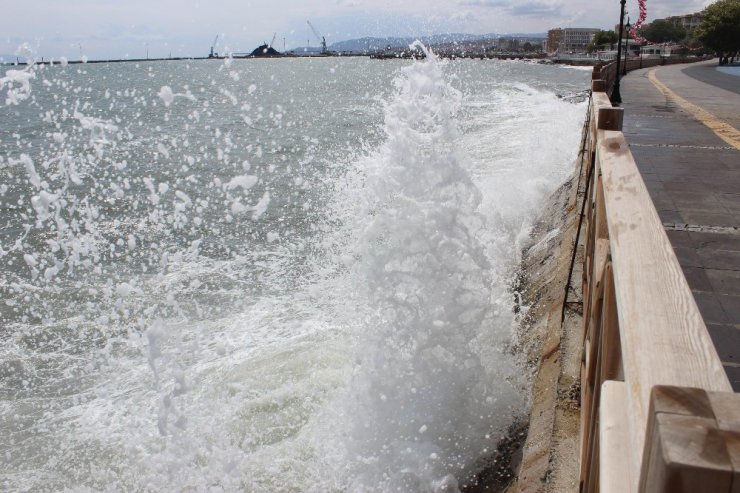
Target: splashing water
253	283
427	400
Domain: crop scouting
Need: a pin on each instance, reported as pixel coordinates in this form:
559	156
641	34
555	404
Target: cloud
531	8
464	16
486	3
536	8
676	7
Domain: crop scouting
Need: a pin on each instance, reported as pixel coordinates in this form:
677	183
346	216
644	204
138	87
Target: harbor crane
212	46
319	37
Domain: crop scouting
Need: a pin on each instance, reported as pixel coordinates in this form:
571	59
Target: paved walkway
693	176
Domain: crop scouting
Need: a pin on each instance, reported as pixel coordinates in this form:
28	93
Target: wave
433	385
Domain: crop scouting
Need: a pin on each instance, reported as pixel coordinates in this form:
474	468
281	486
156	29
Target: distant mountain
525	35
365	45
370	45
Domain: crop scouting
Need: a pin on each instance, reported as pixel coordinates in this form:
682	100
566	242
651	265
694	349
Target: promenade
682	123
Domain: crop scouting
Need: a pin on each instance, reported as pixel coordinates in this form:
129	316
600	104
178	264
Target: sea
269	275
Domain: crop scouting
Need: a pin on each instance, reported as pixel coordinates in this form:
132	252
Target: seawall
549	338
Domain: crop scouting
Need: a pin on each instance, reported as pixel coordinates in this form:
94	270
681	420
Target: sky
104	29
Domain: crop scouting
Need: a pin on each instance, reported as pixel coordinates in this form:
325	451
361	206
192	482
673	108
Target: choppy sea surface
268	275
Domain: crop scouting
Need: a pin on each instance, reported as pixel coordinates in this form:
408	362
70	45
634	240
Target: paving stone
716	241
712	258
726	339
733	374
670	217
687	256
730	201
731	306
710	308
696	201
680	239
679	184
697	278
723	281
662	200
701	218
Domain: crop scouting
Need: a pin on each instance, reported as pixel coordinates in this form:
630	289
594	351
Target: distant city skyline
99	29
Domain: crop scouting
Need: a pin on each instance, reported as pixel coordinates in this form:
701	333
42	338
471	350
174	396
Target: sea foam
423	405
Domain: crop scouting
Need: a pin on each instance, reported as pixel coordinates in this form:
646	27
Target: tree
601	40
663	31
720	29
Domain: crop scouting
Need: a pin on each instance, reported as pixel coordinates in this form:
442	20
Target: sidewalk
693	176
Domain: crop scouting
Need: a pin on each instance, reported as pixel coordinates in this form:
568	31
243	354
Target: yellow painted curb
724	130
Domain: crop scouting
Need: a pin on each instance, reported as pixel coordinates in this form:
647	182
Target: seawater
268	275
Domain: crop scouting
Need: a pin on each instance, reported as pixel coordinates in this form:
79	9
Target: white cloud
464	16
536	8
516	9
486	3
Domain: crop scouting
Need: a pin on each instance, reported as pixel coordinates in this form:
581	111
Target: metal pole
616	96
626	45
624	66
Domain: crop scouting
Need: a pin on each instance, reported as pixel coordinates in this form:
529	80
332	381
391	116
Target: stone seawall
550	339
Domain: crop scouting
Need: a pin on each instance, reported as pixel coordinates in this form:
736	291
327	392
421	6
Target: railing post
615	475
610	119
598	85
692	442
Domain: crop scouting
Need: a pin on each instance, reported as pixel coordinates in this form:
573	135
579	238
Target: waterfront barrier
657	410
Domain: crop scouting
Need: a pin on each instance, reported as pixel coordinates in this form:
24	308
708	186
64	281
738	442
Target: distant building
688	21
508	44
576	39
554	38
657	51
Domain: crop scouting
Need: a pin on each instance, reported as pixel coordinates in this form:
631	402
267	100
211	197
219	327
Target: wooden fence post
610	119
692	442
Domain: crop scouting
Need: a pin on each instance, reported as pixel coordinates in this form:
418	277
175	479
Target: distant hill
525	35
365	45
370	45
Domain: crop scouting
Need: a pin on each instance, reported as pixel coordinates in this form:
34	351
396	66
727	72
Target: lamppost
616	97
626	45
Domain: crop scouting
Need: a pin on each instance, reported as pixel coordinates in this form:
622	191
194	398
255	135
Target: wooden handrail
642	330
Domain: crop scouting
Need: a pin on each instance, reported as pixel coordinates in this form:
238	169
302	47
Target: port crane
212	46
319	37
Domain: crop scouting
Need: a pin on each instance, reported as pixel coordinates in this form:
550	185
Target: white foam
427	388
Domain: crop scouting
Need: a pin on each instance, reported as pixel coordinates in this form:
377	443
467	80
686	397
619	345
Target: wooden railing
657	410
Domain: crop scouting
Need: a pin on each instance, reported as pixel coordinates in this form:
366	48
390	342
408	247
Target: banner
640	20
